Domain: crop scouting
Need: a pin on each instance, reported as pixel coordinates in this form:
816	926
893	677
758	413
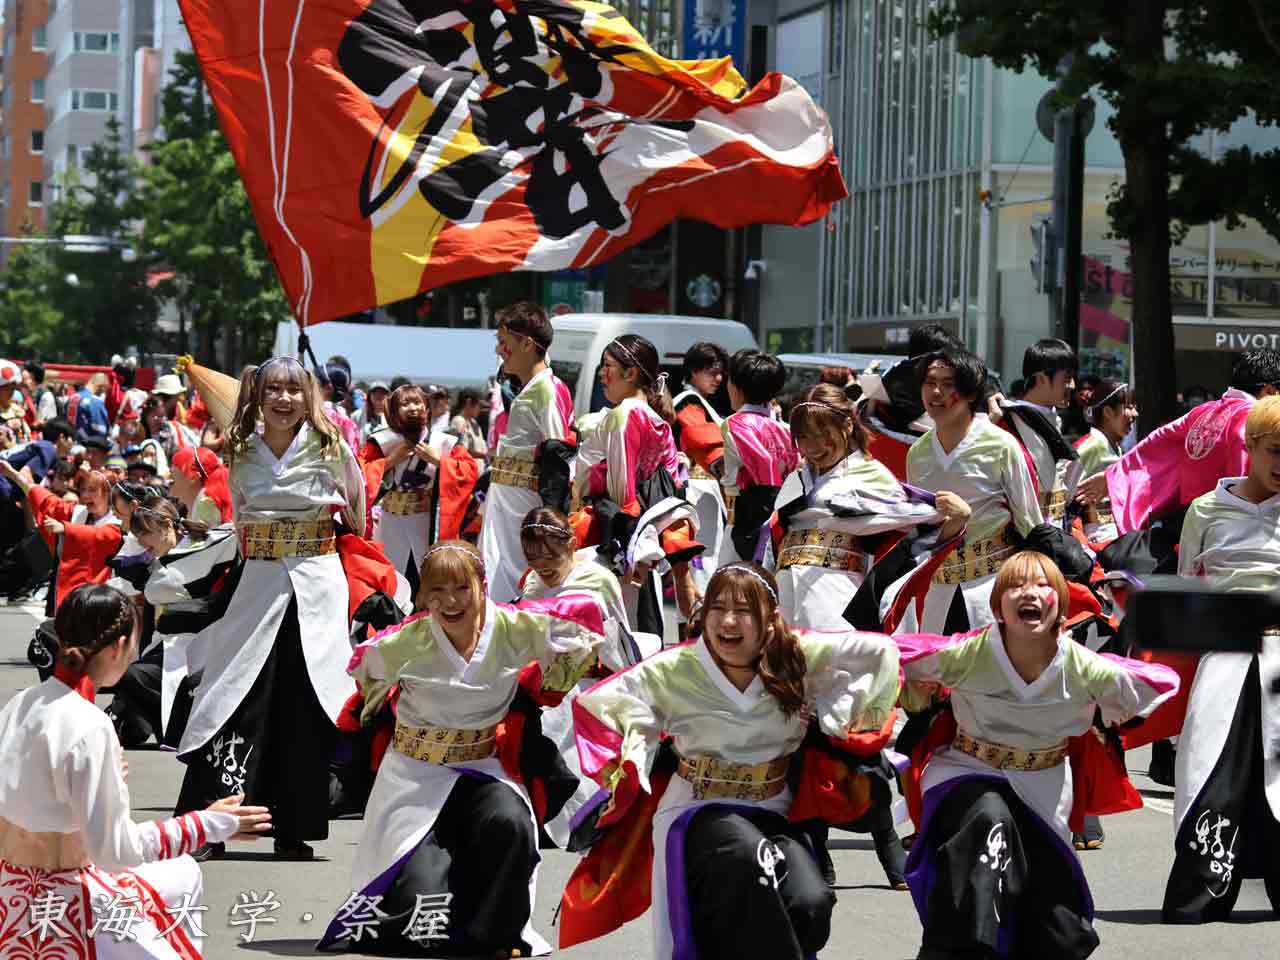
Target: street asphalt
871	922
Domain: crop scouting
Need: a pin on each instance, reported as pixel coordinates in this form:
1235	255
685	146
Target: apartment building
82	83
22	126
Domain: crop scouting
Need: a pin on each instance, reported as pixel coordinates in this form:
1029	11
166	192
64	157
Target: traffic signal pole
1068	218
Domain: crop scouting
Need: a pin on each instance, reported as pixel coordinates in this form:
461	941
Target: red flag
388	148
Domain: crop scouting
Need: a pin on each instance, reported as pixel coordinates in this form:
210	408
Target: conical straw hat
217	390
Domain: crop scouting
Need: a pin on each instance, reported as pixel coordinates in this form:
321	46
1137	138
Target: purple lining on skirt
379	885
683	944
921	872
597	800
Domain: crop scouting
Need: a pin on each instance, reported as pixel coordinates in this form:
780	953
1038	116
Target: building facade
22	119
948	174
82	82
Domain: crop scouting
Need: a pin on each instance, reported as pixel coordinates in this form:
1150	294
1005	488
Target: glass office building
922	133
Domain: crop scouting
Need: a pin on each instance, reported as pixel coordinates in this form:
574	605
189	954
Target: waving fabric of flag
392	146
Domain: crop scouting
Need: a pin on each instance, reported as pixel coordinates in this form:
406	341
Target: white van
581	338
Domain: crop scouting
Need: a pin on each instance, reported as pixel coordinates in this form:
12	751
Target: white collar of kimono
854	458
975	427
544	374
760	408
1024	690
1235	394
279	463
1050	412
451	653
1106	441
744	699
1223	492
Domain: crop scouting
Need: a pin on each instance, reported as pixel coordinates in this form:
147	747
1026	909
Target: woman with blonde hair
997	799
1226	815
449	820
275	681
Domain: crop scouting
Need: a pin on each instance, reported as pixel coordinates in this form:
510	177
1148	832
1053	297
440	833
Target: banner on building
392	146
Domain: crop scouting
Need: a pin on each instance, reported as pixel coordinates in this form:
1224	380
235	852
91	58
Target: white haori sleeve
92	781
852	679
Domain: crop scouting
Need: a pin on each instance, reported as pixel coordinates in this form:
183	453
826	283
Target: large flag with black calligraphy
392	146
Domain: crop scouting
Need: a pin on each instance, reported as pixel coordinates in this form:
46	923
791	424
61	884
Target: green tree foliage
1172	70
83	306
198	222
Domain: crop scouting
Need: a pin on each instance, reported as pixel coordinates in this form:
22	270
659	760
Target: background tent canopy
453	358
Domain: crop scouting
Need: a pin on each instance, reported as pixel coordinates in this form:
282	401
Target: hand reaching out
254	821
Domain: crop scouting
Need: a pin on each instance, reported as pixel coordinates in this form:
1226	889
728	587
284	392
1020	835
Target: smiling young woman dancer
731	877
450	821
992	870
557	568
631	471
275	676
67	834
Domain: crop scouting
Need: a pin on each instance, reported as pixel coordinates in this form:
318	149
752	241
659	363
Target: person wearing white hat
12	419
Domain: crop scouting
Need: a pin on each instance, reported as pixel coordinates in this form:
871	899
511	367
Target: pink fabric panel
765	448
1179	462
580	608
1157	676
598	744
917	646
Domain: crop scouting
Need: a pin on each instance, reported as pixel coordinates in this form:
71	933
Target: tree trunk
1146	160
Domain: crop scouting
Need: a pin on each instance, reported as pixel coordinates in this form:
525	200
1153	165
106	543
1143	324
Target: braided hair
90	619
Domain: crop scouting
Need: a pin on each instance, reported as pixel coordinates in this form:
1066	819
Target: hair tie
661	382
558	531
750	572
622	347
257	374
456	549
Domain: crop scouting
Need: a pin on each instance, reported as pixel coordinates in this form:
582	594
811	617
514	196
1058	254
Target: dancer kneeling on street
66	832
992	871
449	854
731	877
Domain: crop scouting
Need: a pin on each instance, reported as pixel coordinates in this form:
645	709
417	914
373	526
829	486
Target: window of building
37	141
35	193
95	100
97	42
37	89
40	37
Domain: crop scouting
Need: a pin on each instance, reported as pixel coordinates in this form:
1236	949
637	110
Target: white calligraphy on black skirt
1209	843
234	770
769	855
997	859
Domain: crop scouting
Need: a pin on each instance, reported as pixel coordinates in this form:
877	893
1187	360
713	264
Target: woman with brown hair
628	472
403	459
831	506
731	878
449	822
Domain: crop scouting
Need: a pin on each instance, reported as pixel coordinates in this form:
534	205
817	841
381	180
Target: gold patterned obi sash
1054	504
715	779
404	503
1000	757
822	548
975	561
1100	513
699	473
278	539
445	744
514	472
43	851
